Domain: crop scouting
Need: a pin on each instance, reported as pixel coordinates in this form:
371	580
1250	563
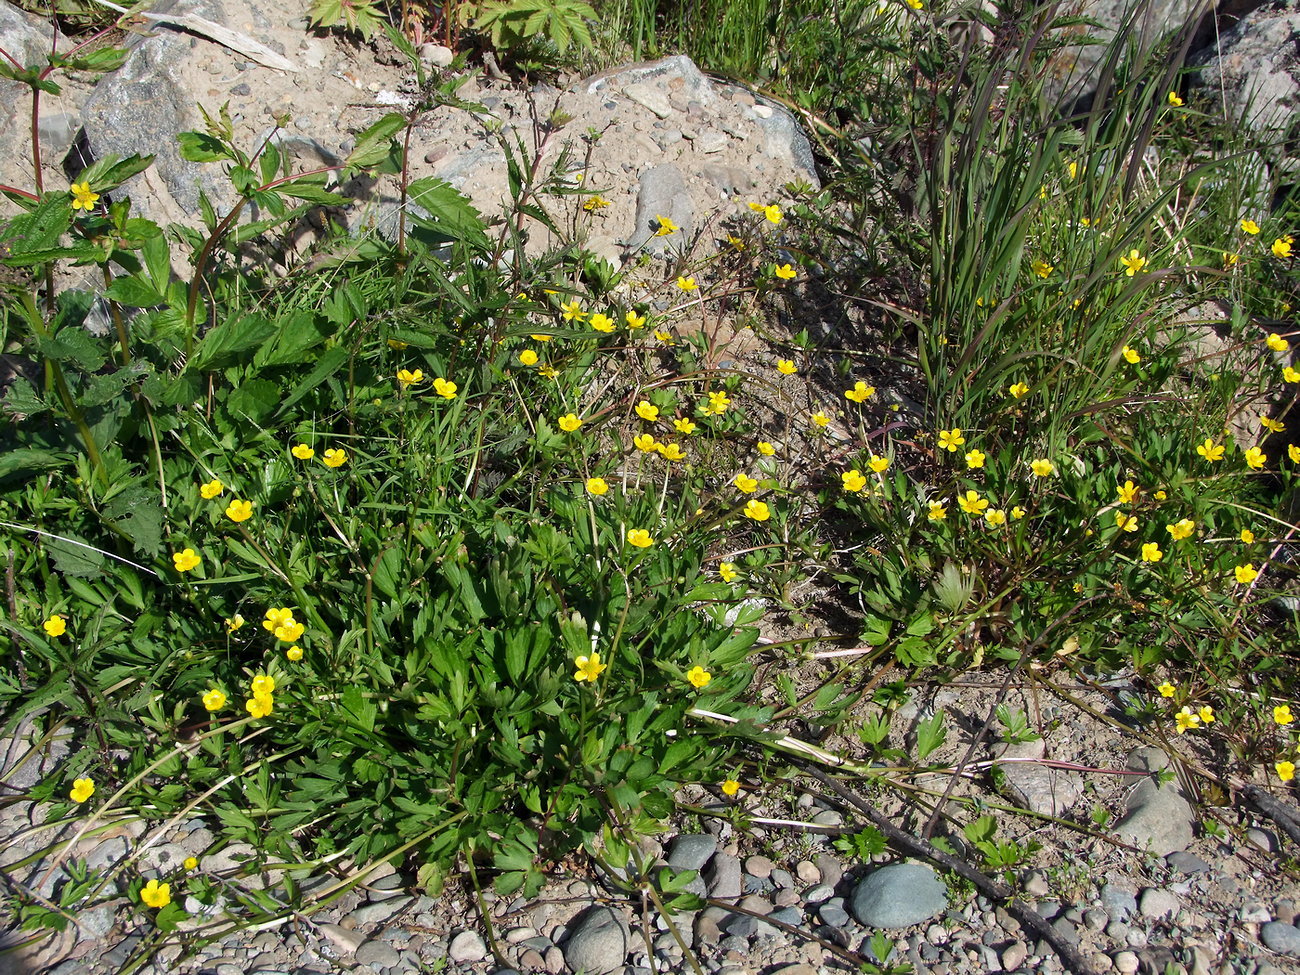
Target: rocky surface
1255	68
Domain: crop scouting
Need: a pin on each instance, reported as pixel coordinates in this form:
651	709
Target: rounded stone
1282	938
597	942
1125	962
378	954
467	946
899	896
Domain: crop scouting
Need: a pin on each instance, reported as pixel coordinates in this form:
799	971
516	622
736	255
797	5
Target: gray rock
807	872
898	896
785	142
96	922
1157	903
1255	68
831	870
817	894
107	853
597	942
436	55
467	946
346	941
1158	818
1119	903
782	878
378	954
663	193
649	97
723	876
756	885
378	913
1125	962
691	851
833	914
789	915
1266	839
741	926
758	866
1188	863
678	71
1253	912
1014	955
1040	789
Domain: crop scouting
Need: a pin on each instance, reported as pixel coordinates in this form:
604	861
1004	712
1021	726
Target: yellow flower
1174	100
572	310
1230	260
915	4
1017	512
1246	574
1206	714
154	894
972	503
646	411
1282	714
597	486
670	451
1166	689
765	448
645	441
937	511
294	653
634	320
397	345
785	367
277	618
528	357
287	630
238	511
975	459
589	668
687	284
756	510
698	676
185	560
995	517
56	625
664	226
1271	425
211	489
1285	770
853	480
1247	536
1250	226
665	337
1282	246
1073	169
1128	492
860	392
190	863
950	440
1151	552
335	457
718	403
259	706
1293	452
730	787
1256	458
1210	450
602	323
1041	268
214	700
82	789
1128	523
1131	356
684	425
1186	719
1276	342
1160	496
570	422
727	571
1018	390
407	378
263	685
639	537
770	210
821	419
784	271
541	338
878	464
746	483
444	388
1134	262
303	452
596	202
1181	529
83	198
1042	467
1290	375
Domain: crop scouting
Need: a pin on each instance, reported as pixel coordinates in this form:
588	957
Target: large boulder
1255	69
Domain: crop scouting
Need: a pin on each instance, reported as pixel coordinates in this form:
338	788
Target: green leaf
131	290
255	398
930	735
36	232
296	335
201	147
110	172
375	143
222	345
449	212
26	460
326	366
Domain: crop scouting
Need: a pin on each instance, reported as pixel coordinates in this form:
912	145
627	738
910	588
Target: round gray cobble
899	896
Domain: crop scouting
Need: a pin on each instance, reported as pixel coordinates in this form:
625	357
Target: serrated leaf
201	147
131	290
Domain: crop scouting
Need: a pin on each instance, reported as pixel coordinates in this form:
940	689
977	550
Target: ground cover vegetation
443	549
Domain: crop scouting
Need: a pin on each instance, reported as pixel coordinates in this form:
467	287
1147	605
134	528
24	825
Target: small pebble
807	871
758	866
1125	962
